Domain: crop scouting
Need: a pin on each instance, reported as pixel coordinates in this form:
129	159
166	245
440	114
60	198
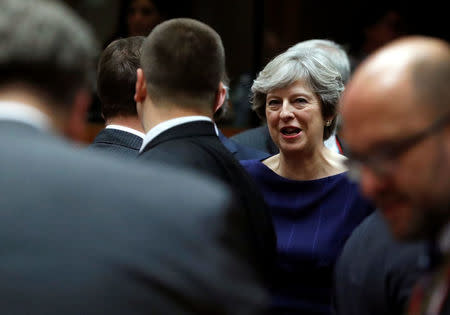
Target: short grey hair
335	52
45	44
309	64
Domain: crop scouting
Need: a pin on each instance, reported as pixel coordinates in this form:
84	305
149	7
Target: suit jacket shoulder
117	141
195	146
257	138
87	234
375	273
241	152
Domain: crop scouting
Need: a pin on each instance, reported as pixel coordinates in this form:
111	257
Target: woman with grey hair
314	205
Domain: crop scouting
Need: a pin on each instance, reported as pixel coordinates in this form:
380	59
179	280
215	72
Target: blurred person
259	137
178	89
314	205
377	25
139	17
396	124
116	81
83	234
375	273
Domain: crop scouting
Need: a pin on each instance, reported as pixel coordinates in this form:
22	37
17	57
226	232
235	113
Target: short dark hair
116	76
183	62
44	44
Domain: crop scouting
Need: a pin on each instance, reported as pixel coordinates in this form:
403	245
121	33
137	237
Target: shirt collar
165	125
126	129
15	111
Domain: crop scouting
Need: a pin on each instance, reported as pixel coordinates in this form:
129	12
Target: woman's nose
286	112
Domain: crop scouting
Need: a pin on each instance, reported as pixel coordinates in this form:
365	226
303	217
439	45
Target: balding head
396	112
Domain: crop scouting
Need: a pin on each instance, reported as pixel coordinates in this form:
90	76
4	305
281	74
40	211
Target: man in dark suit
396	118
375	273
178	89
116	81
87	234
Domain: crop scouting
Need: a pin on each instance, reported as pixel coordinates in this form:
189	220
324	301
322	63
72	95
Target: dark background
254	31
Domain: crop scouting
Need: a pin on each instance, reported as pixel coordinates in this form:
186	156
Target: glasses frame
383	161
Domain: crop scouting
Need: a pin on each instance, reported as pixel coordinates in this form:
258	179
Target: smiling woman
314	205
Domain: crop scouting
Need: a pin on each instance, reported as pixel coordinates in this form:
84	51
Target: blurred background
255	31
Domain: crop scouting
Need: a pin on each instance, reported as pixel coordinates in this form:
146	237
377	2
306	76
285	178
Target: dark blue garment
312	221
241	152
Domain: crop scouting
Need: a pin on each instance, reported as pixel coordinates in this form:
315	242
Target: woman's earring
328	123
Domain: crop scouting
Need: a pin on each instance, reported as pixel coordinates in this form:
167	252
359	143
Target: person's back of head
183	61
116	77
335	52
47	47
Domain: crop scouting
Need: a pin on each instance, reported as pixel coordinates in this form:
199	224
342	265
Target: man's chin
399	218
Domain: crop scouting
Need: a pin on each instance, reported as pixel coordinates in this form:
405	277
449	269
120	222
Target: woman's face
143	16
294	118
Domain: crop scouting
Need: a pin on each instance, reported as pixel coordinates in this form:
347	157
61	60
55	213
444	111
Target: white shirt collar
24	113
165	125
126	129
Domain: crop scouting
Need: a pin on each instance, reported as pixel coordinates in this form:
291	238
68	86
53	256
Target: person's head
116	77
51	51
300	89
336	53
183	63
142	16
396	123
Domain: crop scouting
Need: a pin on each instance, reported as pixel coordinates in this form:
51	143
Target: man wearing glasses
396	113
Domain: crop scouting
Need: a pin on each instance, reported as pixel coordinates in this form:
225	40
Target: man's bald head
421	64
396	110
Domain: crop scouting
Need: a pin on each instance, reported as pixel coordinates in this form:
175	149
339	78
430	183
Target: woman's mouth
290	132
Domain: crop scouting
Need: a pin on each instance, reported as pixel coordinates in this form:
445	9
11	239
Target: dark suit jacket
241	152
257	138
196	146
375	274
83	233
117	141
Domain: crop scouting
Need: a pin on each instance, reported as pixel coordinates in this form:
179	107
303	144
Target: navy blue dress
312	221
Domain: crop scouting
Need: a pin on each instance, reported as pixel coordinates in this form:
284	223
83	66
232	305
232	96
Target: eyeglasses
383	161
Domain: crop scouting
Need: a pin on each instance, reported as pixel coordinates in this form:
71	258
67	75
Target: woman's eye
300	100
273	102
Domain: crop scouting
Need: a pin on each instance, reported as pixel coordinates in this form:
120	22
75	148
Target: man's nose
372	184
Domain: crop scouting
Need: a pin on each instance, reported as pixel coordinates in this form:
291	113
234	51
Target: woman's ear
141	87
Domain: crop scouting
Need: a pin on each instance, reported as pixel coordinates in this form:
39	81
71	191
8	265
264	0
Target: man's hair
45	45
336	53
116	76
183	62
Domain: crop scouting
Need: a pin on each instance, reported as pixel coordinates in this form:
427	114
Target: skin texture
381	106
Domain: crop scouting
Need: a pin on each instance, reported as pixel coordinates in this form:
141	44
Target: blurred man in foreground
84	234
396	113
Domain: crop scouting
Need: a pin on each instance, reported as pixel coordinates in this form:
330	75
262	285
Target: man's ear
220	97
141	87
75	126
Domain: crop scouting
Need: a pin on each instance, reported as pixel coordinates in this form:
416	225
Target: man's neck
132	122
157	115
23	94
